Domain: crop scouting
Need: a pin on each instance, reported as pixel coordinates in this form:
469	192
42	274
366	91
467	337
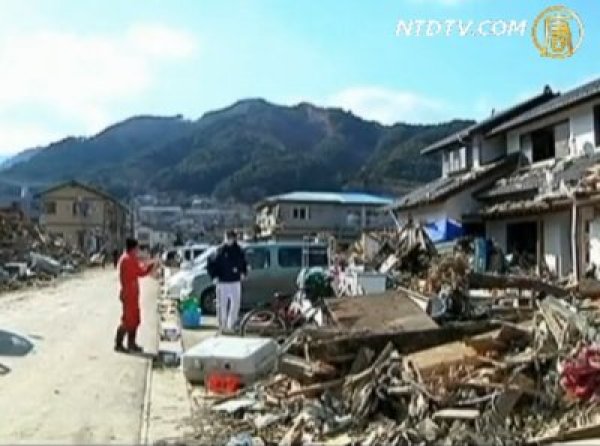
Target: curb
145	416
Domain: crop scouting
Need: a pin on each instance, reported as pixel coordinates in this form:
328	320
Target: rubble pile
29	256
529	383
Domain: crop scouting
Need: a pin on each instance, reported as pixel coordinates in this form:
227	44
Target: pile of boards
532	382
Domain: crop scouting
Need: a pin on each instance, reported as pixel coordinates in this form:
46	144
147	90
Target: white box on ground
169	330
357	283
250	358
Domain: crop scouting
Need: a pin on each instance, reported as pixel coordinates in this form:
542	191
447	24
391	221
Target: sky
73	67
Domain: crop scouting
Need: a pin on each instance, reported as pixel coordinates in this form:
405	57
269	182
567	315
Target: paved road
73	388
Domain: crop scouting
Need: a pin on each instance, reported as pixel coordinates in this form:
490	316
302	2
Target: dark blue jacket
228	264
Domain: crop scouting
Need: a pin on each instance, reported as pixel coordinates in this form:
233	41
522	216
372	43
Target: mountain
21	157
246	151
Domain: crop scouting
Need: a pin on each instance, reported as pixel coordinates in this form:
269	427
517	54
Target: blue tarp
443	230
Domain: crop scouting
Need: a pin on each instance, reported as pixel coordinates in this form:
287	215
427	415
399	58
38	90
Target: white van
182	254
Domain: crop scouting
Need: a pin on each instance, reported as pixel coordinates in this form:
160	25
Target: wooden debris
316	389
293	436
456	414
579	433
305	371
492	281
443	357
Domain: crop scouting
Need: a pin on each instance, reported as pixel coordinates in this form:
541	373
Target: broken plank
392	309
443	357
457	414
591	431
299	369
484	280
316	388
517	387
589	288
327	342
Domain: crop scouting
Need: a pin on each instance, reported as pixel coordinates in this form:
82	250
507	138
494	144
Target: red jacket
130	270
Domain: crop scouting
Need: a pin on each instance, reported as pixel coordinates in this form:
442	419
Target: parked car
181	254
273	267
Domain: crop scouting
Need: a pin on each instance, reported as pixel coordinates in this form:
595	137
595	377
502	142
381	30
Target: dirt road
73	388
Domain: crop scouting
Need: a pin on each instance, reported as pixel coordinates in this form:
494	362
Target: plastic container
248	358
223	383
191	317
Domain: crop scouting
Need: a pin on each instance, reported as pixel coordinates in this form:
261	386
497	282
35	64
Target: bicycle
284	314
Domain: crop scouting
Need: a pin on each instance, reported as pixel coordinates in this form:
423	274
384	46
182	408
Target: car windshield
202	258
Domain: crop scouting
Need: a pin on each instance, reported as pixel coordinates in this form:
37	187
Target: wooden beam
486	281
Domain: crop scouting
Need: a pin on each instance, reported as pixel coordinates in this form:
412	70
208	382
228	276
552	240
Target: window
187	255
81	208
597	124
373	217
318	257
300	213
353	218
562	132
457	160
521	238
290	257
50	207
542	144
258	258
197	252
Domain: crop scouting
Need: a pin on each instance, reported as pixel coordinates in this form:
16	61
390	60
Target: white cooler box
250	358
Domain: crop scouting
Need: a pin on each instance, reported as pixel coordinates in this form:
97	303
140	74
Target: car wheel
208	301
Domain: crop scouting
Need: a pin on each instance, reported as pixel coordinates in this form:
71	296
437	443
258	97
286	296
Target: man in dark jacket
229	269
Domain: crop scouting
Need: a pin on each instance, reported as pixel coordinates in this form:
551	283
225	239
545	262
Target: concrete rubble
29	256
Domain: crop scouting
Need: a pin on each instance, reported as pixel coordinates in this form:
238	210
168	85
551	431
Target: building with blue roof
344	215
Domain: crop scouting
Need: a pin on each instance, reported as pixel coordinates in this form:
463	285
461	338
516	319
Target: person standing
228	268
130	270
115	257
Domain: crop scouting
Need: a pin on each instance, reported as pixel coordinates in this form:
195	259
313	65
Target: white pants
229	296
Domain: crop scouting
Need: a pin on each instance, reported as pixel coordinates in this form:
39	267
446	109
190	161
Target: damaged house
526	179
470	162
548	208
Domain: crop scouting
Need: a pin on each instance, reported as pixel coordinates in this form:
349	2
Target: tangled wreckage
445	356
28	255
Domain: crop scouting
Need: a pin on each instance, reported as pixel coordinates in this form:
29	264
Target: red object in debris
581	373
223	383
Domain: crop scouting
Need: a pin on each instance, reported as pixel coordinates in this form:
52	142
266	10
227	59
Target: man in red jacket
130	270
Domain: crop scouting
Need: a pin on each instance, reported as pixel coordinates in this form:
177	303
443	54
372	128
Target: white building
536	204
343	215
470	161
150	237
